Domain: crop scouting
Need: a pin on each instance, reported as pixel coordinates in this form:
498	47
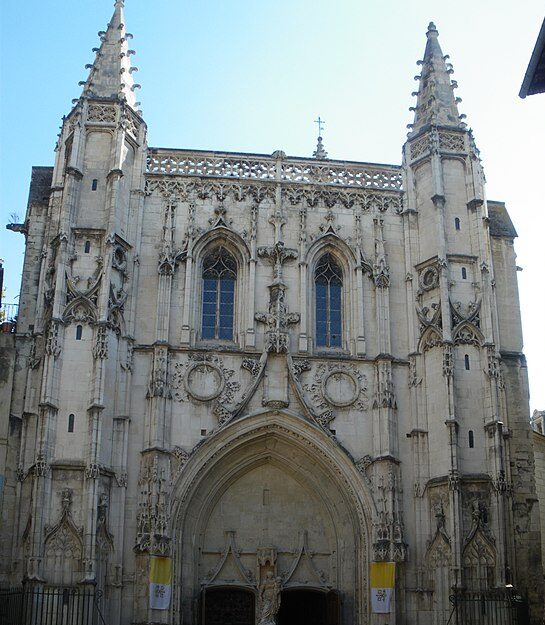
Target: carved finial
320	152
432	29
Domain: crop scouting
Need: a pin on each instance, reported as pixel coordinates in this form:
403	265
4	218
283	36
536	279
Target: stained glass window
218	295
329	286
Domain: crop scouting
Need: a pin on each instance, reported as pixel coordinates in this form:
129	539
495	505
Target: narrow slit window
71	419
79	333
464	273
466	362
457	223
471	439
218	295
94	184
329	286
87	247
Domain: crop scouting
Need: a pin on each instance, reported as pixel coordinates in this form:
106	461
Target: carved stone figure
269	599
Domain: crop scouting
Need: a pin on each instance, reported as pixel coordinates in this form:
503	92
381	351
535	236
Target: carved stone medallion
204	381
340	388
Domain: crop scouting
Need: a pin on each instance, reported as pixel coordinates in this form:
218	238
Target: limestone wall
538	441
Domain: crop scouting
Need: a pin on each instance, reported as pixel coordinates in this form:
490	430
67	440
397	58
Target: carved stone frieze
384	396
52	342
116	309
204	377
448	363
100	347
278	254
428	278
121	479
362	465
34	356
81	304
253	365
178	460
388	527
338	385
493	369
92	471
466	323
414	379
328	225
102	113
381	273
159	381
431	326
439	552
277	320
521	513
186	189
299	366
41	466
153	515
128	365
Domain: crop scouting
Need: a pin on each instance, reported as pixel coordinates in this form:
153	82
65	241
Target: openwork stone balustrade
277	167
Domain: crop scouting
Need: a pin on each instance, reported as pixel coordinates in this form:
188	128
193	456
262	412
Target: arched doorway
305	606
228	606
271	493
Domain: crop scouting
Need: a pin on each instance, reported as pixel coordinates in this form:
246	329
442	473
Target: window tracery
219	275
328	281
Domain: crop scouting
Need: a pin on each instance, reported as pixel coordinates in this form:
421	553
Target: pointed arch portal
271	492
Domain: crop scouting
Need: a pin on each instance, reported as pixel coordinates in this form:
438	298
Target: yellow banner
383	574
160	570
382	586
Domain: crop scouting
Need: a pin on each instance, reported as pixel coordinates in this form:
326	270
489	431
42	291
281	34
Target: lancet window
219	277
328	281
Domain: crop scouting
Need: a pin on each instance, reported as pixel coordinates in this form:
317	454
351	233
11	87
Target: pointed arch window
328	281
219	277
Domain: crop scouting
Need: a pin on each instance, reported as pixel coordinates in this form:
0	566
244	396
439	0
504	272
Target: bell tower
77	402
464	420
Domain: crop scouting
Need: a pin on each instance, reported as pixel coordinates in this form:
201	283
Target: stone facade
538	439
267	460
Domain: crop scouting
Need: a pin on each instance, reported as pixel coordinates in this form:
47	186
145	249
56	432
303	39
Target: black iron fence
50	606
497	606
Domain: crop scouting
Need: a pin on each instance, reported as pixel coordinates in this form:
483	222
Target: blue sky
252	76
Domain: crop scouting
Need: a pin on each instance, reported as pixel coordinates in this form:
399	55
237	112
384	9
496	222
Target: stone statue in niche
269	599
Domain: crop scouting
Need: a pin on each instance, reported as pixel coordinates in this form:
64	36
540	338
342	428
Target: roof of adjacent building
534	79
500	222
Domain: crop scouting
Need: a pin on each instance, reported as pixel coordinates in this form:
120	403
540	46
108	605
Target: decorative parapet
257	167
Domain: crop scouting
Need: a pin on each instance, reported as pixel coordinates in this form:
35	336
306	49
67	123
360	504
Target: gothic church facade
258	365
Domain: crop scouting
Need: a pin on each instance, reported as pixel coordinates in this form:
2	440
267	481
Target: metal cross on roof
320	123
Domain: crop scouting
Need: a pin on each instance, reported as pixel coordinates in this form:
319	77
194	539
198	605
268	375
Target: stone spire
110	75
436	103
